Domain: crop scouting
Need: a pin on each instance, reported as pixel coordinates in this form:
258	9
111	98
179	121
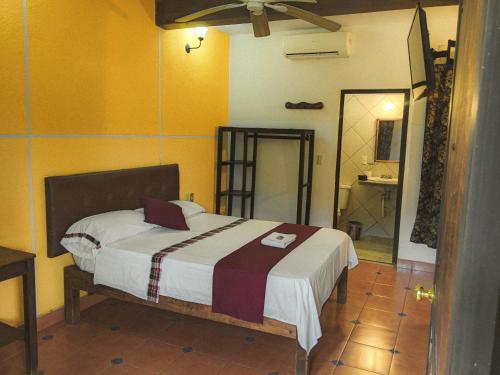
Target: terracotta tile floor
381	330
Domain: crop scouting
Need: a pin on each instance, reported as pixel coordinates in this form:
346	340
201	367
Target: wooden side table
15	263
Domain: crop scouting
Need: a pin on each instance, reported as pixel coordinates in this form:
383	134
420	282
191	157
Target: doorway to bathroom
370	170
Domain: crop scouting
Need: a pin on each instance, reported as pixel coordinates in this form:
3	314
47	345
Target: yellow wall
107	89
12	97
205	73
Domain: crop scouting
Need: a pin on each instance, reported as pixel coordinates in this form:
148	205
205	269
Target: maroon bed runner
239	280
156	259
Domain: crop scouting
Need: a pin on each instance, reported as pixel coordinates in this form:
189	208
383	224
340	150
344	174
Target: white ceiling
359	19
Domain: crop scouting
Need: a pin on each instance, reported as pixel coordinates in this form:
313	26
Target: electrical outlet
364	159
190	197
319	159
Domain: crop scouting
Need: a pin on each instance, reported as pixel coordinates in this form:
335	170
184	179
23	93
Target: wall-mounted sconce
201	31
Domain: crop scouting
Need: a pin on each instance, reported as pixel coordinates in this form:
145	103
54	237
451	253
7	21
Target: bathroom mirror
388	140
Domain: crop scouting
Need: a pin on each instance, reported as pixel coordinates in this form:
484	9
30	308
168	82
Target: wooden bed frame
71	198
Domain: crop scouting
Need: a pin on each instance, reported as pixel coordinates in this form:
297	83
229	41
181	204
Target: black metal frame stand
302	135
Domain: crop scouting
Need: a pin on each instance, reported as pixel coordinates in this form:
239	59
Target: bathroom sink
380	181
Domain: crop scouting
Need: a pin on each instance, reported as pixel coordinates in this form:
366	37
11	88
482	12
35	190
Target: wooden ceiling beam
167	11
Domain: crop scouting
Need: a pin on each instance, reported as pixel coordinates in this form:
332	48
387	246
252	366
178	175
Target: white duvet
297	287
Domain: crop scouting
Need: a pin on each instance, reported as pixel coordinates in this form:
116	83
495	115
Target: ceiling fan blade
292	1
260	24
208	11
306	16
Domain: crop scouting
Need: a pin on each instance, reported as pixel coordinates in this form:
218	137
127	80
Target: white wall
262	80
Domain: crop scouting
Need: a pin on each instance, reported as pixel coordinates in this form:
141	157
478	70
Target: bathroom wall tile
366	153
380	169
398	100
389	215
352	204
394	167
385	224
343	158
381	112
366	127
349	173
353	112
388	223
390	204
371	144
363	192
362	215
374	205
351	142
369	101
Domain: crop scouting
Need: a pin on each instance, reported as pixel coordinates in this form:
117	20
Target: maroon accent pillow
164	213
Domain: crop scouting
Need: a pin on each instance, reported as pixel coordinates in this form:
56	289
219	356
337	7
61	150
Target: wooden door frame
465	326
402	157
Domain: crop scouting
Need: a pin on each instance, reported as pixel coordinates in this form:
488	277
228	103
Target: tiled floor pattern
381	330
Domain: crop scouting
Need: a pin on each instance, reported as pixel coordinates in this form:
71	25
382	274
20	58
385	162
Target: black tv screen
420	53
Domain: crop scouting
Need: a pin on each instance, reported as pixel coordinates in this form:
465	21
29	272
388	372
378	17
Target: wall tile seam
104	136
27	93
160	93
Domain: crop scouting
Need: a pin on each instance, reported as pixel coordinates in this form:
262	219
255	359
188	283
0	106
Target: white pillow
85	237
189	209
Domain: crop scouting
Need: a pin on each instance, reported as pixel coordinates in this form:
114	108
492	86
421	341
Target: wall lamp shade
201	32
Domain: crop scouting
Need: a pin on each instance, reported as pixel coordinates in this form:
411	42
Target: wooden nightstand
15	263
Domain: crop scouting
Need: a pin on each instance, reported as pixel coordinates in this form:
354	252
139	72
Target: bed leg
301	361
342	287
71	300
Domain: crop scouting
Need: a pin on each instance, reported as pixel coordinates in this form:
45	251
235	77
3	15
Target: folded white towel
280	240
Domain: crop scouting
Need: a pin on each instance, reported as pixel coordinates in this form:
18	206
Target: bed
297	287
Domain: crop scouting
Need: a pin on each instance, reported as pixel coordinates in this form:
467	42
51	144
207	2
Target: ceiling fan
258	15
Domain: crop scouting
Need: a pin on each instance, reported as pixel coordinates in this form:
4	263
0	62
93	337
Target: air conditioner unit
318	45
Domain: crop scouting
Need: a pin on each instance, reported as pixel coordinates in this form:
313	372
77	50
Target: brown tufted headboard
71	198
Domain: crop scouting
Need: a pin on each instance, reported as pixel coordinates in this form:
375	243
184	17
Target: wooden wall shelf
304	105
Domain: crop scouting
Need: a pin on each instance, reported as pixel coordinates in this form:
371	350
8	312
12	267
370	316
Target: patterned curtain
426	225
384	140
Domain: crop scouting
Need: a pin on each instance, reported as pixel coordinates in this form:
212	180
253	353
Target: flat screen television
420	53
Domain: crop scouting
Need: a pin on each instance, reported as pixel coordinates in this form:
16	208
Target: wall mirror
388	140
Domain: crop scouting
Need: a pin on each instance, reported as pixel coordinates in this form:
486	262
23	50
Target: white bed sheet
85	264
297	287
